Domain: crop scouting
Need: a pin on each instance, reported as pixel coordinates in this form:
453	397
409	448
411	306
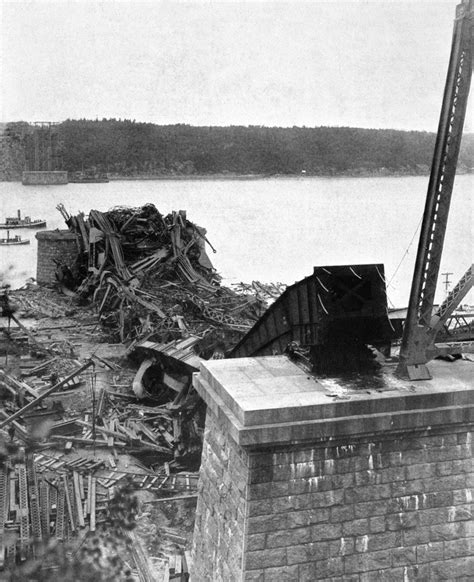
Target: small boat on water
19	222
13	240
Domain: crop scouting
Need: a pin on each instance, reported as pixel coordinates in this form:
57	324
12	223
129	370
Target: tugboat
19	222
15	240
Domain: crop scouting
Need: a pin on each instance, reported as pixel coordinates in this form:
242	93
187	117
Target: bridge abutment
312	479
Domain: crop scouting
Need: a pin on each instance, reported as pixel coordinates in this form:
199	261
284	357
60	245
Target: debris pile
97	386
151	277
61	467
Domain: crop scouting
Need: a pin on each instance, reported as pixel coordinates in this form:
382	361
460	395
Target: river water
274	229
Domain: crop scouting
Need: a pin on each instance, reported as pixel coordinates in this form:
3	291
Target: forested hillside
126	148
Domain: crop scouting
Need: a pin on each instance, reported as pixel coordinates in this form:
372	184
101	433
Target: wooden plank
45	394
172	565
77	495
29	334
188	561
125	432
139	557
81	487
111	427
18	384
21	431
178	564
175	498
33	371
69	503
167	436
92	504
145	430
59	437
89	493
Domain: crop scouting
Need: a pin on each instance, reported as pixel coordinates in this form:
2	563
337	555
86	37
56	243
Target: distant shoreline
350	174
354	173
360	173
192	177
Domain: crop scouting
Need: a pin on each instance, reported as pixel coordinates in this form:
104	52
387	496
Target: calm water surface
272	229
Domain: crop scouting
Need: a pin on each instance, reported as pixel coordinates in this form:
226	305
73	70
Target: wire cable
406	252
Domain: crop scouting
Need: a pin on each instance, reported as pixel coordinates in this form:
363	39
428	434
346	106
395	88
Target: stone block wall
390	507
221	511
54	245
386	506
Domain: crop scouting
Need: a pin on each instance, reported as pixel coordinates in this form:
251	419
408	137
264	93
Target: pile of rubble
96	384
71	435
151	278
156	291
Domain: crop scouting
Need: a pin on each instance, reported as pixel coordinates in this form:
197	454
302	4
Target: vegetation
127	148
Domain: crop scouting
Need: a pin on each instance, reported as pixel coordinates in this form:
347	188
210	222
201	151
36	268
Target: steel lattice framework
418	345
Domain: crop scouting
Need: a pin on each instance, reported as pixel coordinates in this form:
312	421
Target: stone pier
44	178
54	245
317	479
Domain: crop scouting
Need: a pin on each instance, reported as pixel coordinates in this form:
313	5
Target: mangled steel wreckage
157	290
77	419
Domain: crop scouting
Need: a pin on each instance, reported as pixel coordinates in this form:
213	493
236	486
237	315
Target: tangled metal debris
151	278
60	467
78	419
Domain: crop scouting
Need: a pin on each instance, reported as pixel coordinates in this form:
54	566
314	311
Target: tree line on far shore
128	148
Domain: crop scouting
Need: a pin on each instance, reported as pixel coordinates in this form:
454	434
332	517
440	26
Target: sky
373	64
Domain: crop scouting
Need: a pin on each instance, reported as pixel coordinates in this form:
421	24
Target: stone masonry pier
318	479
54	245
44	178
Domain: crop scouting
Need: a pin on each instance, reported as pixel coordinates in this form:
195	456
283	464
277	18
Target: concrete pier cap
306	478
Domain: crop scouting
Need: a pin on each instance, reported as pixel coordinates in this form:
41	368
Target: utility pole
447	282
